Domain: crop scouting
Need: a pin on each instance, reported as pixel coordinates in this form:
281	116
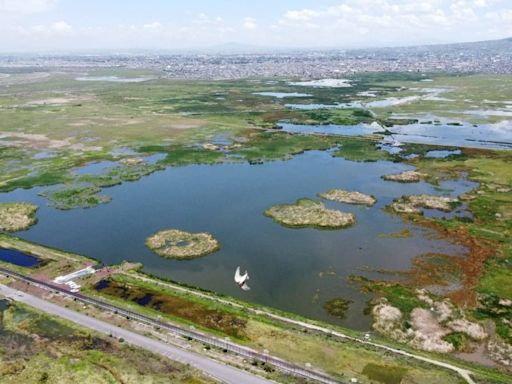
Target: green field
37	348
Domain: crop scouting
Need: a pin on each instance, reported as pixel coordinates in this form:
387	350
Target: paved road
224	373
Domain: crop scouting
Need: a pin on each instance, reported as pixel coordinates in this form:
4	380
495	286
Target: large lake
228	200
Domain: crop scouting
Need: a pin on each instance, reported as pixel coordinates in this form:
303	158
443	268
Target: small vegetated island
177	244
76	197
337	307
415	203
349	197
309	213
17	216
406	177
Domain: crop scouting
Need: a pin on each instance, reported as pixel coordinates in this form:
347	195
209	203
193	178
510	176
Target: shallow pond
18	258
296	270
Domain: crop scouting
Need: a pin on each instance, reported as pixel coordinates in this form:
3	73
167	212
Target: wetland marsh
228	201
144	153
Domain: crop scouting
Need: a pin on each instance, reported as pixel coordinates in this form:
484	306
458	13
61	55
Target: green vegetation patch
337	307
179	156
177	244
458	339
133	172
499	310
403	234
361	149
384	373
497	279
17	216
309	213
37	348
281	146
399	296
76	197
175	306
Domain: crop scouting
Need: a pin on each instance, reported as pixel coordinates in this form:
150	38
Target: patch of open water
18	258
492	136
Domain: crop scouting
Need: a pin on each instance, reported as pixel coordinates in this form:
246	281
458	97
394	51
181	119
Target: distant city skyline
75	25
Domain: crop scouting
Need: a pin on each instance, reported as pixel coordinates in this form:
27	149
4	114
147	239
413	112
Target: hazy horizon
156	25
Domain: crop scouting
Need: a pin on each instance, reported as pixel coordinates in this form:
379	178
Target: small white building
75	275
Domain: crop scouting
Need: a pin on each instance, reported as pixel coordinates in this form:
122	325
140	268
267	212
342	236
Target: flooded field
297	270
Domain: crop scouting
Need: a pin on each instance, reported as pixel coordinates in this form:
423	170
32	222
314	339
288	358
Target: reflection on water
332	129
492	136
442	154
292	269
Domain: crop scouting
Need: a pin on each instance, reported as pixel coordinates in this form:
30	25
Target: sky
85	25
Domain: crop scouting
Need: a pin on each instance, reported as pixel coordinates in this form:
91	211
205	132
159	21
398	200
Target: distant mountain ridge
489	46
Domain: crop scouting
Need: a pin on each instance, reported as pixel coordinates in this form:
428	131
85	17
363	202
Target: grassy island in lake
177	244
309	213
349	197
17	216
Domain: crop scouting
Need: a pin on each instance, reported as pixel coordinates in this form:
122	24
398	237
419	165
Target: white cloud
301	15
25	6
250	23
57	28
395	21
42	24
61	27
154	26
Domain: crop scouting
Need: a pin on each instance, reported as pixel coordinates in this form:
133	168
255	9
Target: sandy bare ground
39	141
428	326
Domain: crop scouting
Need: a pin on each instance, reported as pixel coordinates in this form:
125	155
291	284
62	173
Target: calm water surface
18	258
492	136
228	200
